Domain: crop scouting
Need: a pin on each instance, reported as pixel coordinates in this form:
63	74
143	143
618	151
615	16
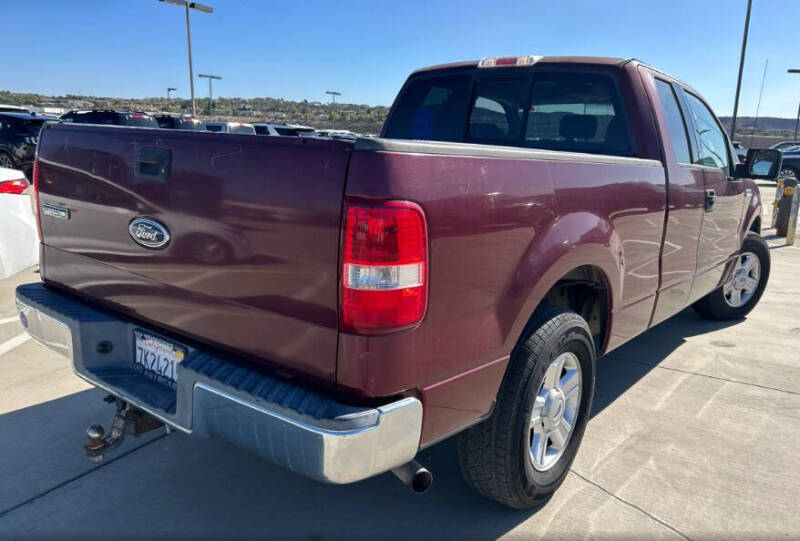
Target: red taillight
36	198
137	117
15	186
384	266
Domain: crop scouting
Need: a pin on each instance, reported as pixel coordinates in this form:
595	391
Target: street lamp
170	89
741	68
333	94
198	7
210	96
796	122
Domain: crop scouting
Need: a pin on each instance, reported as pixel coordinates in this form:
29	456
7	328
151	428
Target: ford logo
149	233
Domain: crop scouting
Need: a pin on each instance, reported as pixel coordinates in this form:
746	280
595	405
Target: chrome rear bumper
295	427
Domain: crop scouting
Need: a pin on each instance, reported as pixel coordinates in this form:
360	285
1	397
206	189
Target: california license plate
156	358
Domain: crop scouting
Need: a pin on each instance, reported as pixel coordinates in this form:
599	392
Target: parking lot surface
695	434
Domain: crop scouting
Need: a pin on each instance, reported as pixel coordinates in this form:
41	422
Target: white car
12	181
288	130
231	127
19	241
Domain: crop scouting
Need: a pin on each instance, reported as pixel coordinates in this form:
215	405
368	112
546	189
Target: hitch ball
95	433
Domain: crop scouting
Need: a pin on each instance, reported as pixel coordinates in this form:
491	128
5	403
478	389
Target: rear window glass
287	131
138	120
189	124
577	112
497	110
433	109
33	126
247	130
213	127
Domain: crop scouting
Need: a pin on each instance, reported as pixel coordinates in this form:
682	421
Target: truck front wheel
521	454
741	292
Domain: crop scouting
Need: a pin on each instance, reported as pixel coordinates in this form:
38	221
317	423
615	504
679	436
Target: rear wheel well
585	291
755	227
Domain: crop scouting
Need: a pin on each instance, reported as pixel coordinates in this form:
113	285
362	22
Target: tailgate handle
153	163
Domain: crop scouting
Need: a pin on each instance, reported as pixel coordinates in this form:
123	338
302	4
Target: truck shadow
622	368
178	486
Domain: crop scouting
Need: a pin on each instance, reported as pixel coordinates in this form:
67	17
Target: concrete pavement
695	434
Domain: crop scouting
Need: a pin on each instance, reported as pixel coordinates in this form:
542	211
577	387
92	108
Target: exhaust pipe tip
415	476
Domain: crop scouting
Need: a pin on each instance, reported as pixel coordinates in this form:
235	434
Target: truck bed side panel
504	225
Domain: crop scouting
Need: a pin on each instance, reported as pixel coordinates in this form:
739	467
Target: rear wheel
743	289
787	171
522	453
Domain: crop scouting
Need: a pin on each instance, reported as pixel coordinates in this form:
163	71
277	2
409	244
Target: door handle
711	195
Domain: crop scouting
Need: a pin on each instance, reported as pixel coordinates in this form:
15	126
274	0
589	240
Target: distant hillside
766	125
356	117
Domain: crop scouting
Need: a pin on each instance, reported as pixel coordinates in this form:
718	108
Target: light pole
333	94
741	67
170	89
210	96
796	122
198	7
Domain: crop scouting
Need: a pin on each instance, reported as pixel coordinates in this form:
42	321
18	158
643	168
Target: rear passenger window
432	109
675	122
497	109
712	142
577	112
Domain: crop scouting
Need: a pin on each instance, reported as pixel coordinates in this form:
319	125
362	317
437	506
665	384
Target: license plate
157	358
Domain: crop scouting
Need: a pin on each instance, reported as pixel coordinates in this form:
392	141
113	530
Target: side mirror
761	164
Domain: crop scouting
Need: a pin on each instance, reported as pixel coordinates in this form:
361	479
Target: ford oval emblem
149	233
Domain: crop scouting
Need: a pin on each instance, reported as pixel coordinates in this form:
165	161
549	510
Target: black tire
6	160
715	306
494	455
788	171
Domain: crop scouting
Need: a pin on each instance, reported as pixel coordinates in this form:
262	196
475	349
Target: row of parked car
19	130
791	156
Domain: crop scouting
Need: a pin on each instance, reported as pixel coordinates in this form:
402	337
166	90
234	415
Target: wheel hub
742	284
554	407
555	411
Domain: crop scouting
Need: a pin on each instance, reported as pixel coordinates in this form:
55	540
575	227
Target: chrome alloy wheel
555	411
5	161
742	284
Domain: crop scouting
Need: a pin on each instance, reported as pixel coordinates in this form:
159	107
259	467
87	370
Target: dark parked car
791	165
785	146
114	118
517	219
19	134
740	150
179	122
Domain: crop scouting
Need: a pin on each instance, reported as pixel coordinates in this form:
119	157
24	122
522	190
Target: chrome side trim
378	144
327	455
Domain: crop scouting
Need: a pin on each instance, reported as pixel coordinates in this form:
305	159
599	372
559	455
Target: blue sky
365	49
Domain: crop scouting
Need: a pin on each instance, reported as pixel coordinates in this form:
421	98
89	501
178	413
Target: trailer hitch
129	420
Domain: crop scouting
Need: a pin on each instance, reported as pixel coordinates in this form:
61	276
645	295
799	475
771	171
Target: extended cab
334	306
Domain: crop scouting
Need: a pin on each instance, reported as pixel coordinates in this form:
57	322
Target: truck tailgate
253	224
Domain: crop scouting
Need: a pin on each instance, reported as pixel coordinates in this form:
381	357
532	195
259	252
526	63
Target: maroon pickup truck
335	307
